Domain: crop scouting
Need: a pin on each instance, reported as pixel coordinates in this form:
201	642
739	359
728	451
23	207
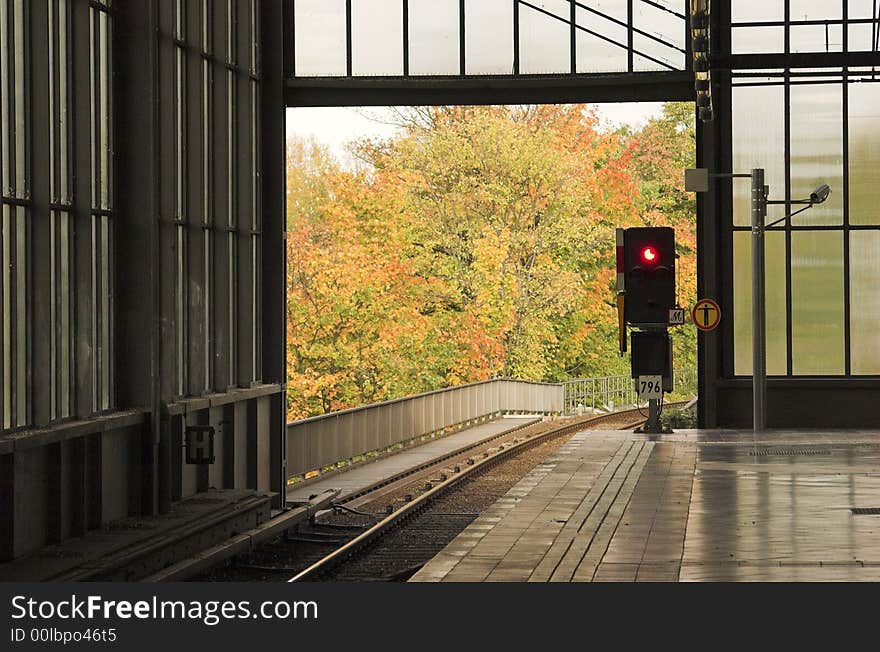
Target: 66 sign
676	317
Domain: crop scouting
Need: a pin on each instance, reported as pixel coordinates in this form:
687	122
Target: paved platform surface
692	506
385	467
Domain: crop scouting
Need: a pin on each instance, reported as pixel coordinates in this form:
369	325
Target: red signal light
649	255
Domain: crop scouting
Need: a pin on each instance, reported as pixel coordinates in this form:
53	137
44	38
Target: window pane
864	153
319	31
860	8
758	144
608	54
864	270
817	302
377	37
433	37
814	10
816	38
767	10
545	40
64	314
20	59
817	149
861	37
5	154
6	327
757	40
664	26
774	291
489	37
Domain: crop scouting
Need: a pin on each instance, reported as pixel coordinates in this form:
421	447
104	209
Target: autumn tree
510	207
661	151
479	242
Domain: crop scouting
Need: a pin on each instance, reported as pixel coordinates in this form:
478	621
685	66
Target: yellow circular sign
706	314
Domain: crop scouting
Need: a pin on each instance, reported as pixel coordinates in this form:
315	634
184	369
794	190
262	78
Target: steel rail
338	556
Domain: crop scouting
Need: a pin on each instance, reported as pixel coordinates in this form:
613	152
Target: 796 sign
649	387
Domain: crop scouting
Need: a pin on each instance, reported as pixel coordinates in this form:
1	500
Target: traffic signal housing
652	356
648	275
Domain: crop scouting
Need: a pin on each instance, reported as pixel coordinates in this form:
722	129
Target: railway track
387	531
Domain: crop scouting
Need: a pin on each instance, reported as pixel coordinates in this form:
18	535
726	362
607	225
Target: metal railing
328	440
322	441
612	392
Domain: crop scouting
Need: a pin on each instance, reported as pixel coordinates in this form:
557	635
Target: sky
335	127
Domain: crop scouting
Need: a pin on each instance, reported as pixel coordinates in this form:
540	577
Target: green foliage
480	243
679	418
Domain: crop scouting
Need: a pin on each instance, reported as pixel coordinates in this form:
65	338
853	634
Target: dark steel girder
502	89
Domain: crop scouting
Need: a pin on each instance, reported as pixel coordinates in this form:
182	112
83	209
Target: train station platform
364	475
691	506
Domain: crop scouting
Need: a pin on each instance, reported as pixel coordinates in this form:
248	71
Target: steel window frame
837	71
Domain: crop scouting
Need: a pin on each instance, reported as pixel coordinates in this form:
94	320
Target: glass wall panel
319	32
860	8
861	37
488	37
759	141
608	54
817	302
433	37
817	149
864	153
664	26
776	324
611	9
545	40
765	11
816	38
544	27
757	40
864	272
377	37
814	10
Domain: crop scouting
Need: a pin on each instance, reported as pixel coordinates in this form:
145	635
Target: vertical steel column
759	357
137	259
271	164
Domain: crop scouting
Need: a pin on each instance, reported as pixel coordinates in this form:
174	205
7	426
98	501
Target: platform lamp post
697	180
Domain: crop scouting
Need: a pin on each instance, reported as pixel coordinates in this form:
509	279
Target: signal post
646	301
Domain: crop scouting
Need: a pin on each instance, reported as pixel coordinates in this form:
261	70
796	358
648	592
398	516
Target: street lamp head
820	194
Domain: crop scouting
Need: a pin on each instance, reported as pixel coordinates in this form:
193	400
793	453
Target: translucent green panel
319	32
817	149
817	302
757	40
595	54
864	270
377	37
747	12
864	153
758	142
813	9
433	37
774	290
488	37
545	41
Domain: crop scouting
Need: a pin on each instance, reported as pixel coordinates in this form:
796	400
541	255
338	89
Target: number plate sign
676	316
650	387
